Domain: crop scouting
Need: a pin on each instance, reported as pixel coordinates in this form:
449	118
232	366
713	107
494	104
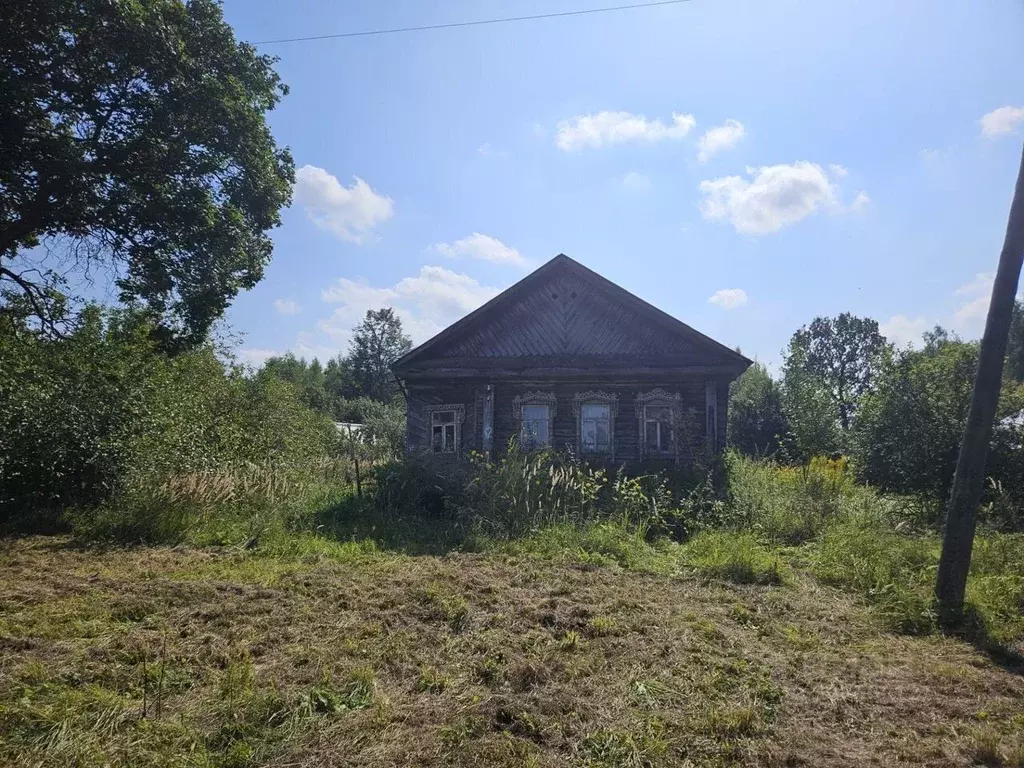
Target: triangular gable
565	310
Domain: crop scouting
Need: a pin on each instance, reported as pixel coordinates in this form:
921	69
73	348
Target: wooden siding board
564	434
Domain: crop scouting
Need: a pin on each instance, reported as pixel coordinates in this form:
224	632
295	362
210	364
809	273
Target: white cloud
838	170
255	357
902	330
426	302
351	213
981	283
1000	122
729	298
607	128
714	140
969	317
776	196
287	306
860	202
482	248
636	182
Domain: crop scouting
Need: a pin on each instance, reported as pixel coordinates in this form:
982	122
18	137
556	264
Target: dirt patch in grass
171	657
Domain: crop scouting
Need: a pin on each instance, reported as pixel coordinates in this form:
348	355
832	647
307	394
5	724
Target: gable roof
564	311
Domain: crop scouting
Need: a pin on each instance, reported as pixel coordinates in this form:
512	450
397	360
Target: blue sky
742	165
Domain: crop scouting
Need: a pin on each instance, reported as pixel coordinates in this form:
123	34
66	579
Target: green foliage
524	490
418	485
103	416
842	354
135	140
810	414
757	420
894	571
369	400
908	431
733	556
609	543
308	379
377	342
791	505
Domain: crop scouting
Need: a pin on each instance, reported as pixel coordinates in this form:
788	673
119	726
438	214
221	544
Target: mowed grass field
342	655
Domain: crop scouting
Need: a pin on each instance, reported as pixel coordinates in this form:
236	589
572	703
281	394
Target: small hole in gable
554	295
572	295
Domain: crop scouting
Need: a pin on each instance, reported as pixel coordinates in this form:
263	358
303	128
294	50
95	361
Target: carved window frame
459	411
661	398
596	397
535	398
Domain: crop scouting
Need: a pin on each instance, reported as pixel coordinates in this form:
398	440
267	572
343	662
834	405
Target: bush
757	422
907	434
419	485
524	490
791	505
102	423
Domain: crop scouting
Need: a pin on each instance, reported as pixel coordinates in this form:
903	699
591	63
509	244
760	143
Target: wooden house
569	359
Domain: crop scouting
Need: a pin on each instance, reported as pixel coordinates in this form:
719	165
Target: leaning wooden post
970	466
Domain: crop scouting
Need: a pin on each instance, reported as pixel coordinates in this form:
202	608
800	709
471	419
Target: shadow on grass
971	627
355	519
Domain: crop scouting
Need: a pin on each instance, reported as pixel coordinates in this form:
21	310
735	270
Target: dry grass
347	656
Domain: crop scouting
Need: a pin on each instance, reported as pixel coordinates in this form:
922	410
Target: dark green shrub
100	421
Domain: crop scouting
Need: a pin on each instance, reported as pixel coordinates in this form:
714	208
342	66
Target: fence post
355	461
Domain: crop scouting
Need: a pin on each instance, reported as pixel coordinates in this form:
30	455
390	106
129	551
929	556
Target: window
535	412
595	421
657	428
656	413
536	426
444	430
596	427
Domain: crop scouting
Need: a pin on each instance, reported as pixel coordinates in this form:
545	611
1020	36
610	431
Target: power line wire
480	22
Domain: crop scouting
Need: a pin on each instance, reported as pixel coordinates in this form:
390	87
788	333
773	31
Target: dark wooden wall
564	431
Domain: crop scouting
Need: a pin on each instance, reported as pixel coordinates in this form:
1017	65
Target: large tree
376	343
908	430
842	353
134	140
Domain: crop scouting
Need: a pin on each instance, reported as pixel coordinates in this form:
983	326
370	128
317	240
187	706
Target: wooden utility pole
970	466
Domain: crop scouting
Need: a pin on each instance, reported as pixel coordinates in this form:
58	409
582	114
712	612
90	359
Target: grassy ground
542	653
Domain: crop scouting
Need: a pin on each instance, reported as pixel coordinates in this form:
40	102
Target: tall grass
231	505
876	545
791	505
526	490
